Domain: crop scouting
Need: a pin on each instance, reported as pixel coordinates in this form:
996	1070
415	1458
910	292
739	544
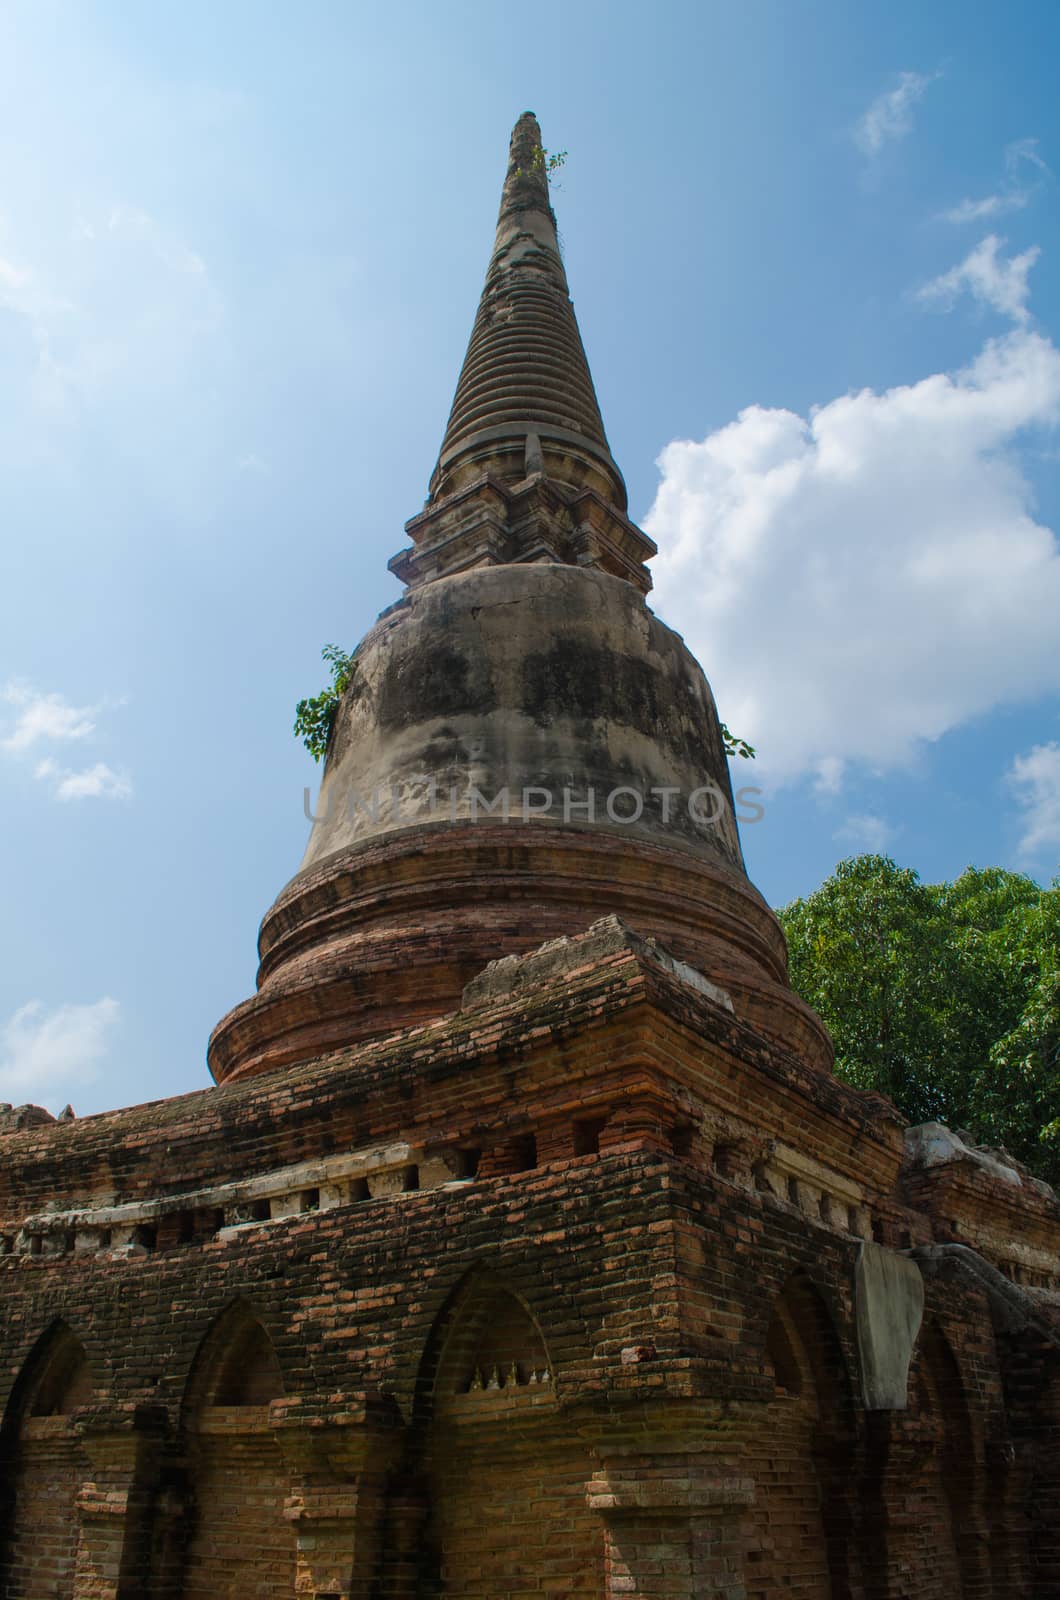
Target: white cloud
12	279
90	783
1002	285
864	831
22	293
50	718
991	205
50	1055
131	223
43	716
828	775
890	115
1025	150
1035	778
1017	191
118	306
869	576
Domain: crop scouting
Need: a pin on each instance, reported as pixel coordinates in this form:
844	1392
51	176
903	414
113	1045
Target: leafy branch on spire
737	747
314	718
542	160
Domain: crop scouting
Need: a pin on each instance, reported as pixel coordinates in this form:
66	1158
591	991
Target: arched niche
933	1474
497	1481
44	1467
239	1542
800	1456
1043	1438
492	1347
236	1365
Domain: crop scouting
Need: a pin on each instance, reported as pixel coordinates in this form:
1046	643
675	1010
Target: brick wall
640	1280
576	1317
239	1542
42	1542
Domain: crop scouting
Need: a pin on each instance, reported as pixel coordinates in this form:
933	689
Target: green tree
868	950
1016	1099
945	997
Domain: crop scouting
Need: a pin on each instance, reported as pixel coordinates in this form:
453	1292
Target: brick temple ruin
527	1245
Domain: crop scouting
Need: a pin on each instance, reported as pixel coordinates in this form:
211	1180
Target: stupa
525	1244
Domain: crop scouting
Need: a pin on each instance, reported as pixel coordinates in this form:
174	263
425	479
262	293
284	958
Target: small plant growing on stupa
735	746
550	162
314	718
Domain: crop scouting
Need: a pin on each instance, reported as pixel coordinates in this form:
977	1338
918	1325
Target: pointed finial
526	186
525	370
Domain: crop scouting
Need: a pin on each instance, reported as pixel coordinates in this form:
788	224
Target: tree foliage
735	746
547	161
314	718
945	997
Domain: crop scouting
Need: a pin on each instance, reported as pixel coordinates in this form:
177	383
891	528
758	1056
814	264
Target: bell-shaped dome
527	690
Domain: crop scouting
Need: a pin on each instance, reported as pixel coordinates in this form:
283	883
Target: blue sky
813	253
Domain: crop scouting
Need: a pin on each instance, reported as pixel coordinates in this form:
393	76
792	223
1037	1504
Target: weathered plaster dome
547	683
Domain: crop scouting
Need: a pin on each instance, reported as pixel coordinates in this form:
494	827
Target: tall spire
499	720
525	456
525	370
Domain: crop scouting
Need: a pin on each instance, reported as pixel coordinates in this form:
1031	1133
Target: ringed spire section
525	472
